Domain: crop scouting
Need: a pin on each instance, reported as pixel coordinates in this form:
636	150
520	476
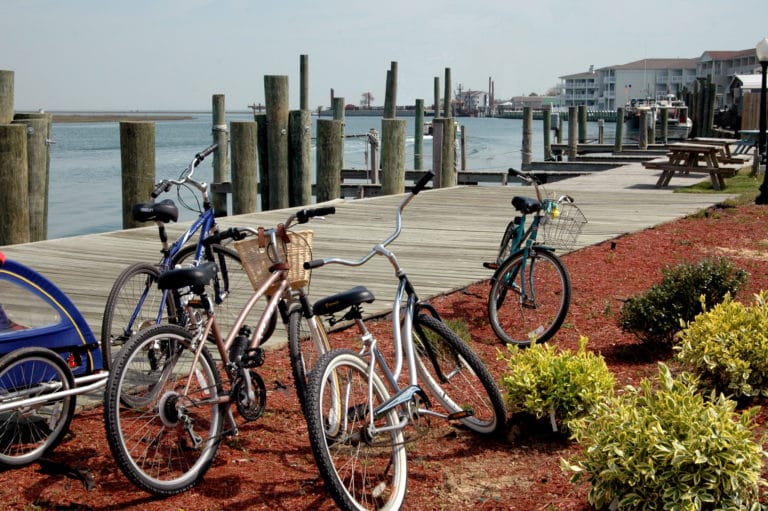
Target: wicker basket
256	260
561	228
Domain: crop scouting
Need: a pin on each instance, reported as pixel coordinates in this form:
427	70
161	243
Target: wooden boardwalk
447	234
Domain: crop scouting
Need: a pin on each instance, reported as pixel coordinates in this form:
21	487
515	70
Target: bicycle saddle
340	301
165	211
194	276
526	205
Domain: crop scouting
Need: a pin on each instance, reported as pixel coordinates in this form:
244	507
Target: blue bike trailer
34	312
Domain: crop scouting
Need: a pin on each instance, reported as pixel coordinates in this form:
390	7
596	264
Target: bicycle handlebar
165	185
238	233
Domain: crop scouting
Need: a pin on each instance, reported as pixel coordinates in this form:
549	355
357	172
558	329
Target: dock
447	235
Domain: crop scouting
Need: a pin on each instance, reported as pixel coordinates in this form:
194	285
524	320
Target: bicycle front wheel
30	430
529	298
134	303
307	342
456	377
362	459
162	417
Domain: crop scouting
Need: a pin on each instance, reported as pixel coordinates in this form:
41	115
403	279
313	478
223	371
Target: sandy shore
116	117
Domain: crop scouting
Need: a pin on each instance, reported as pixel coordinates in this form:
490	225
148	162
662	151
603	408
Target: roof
747	81
658	64
586	74
726	55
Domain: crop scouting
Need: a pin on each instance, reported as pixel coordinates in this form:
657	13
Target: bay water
85	183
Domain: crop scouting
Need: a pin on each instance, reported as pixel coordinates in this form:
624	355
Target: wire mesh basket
258	260
560	225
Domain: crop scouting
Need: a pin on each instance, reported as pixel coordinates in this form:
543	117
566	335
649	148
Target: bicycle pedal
490	266
253	357
463	414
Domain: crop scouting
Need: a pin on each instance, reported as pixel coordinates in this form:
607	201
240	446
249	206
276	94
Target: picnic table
689	157
724	155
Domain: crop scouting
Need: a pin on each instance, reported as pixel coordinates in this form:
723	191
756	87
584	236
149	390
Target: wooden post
263	153
373	140
276	94
664	125
304	82
245	182
390	101
392	156
418	136
643	134
527	151
572	133
6	96
600	131
712	101
582	112
651	128
220	136
338	109
137	159
547	129
437	151
328	160
444	133
559	127
436	113
14	185
463	147
618	140
448	113
300	144
38	170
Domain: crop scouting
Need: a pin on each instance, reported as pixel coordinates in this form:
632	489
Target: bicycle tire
523	320
136	284
359	472
31	431
149	423
456	377
232	277
505	247
307	342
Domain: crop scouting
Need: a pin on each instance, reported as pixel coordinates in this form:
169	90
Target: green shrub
563	385
656	316
668	448
727	348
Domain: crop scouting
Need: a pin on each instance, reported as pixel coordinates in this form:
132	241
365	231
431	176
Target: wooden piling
618	140
664	125
547	129
582	113
245	181
304	82
447	110
137	160
276	94
651	128
390	102
572	133
463	147
6	96
527	151
600	131
373	140
643	134
437	151
338	109
436	109
263	156
418	136
38	170
14	185
445	131
392	156
220	156
300	151
328	159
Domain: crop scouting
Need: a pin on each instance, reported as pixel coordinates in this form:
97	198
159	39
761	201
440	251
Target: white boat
679	125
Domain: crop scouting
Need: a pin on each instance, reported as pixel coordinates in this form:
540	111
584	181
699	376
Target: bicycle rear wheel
529	297
29	431
362	469
456	377
161	414
307	342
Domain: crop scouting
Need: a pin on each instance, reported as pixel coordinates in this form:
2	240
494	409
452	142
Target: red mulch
270	465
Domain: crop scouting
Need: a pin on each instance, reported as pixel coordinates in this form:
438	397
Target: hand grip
426	178
314	263
304	215
199	157
161	187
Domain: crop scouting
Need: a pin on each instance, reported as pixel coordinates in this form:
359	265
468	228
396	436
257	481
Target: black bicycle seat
340	301
165	211
193	276
526	205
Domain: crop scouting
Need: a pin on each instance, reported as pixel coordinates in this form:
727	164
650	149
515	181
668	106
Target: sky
94	55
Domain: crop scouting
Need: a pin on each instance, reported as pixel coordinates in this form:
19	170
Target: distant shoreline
116	117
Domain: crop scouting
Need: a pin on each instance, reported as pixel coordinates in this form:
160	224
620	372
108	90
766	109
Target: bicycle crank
250	395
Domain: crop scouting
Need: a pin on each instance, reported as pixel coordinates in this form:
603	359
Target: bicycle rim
307	342
29	431
529	298
163	435
360	470
456	377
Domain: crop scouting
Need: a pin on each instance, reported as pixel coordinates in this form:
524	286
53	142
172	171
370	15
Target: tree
366	99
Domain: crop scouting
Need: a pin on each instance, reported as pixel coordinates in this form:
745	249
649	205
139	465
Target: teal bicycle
531	289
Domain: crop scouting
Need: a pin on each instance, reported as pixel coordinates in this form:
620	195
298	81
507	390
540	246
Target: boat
679	125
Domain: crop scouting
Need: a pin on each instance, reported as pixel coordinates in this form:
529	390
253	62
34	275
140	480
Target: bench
689	158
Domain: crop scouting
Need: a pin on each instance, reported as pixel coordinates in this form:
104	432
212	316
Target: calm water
85	194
